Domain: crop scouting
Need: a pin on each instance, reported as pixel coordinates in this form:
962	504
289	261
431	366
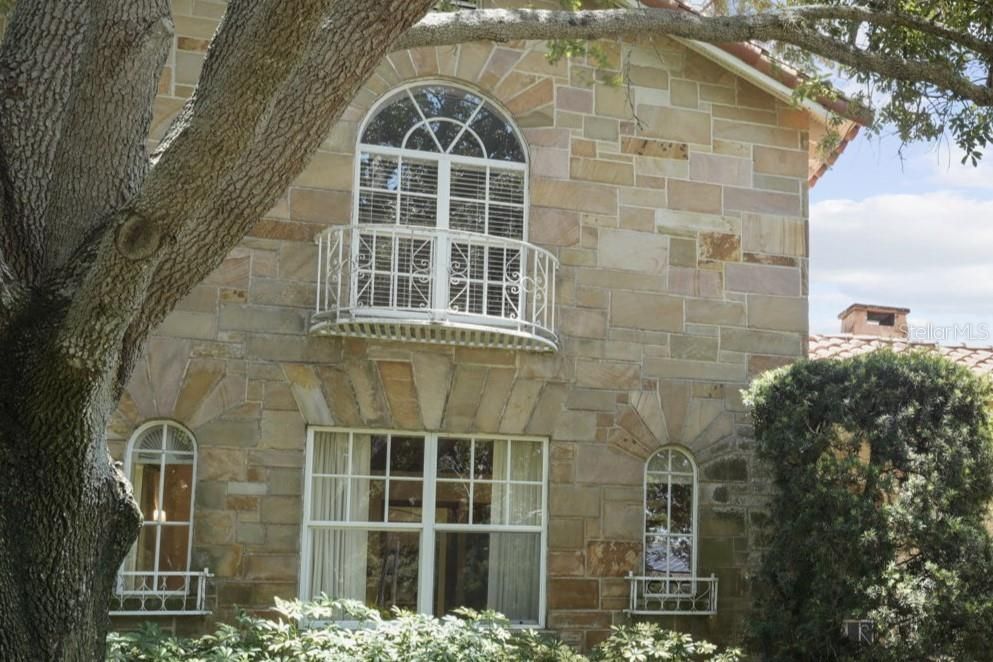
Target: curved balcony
422	284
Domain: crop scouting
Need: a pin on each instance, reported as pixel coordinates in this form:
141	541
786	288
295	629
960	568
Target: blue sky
916	233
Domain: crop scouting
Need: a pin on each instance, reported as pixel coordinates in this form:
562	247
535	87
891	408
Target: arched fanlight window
161	463
670	513
445	161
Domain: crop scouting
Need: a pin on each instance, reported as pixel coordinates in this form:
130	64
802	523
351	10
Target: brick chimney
863	319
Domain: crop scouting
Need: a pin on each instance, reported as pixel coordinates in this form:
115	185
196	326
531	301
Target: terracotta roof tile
843	346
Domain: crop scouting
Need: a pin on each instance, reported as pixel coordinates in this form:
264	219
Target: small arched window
161	463
670	514
449	169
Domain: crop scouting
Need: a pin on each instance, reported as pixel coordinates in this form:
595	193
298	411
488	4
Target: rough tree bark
99	240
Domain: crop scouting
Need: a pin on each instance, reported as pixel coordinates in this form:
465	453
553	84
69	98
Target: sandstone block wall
676	203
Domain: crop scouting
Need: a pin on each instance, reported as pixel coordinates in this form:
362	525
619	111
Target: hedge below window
883	468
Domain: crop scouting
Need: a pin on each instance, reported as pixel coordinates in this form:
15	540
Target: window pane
659	462
525	505
150	439
504	221
406	500
145	548
407	456
680	553
526	461
328	499
377	208
489	503
174	548
452	500
419	176
507	186
369	455
453	457
176	493
681	508
491	459
146	486
468	182
379	171
497	571
656	506
656	558
446	133
376	567
421	140
391	123
467	216
468	145
368	500
498	137
443	101
177	440
681	463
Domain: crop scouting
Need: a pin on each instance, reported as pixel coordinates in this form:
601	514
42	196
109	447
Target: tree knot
138	237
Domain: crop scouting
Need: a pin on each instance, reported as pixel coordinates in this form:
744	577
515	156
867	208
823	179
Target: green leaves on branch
467	636
883	469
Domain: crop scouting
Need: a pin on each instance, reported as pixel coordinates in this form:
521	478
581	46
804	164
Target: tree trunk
67	516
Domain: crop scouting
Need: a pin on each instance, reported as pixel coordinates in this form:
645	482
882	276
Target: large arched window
161	463
440	205
670	514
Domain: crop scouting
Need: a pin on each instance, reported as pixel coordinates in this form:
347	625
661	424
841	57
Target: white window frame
441	229
427	528
165	424
695	528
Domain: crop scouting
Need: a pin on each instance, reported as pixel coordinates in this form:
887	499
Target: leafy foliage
646	642
883	466
920	69
469	636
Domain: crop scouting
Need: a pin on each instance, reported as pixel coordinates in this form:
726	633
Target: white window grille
670	584
161	463
439	230
427	522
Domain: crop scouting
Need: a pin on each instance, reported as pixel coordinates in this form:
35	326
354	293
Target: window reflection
669	513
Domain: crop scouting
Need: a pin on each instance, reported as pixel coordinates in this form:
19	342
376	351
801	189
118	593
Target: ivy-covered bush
883	468
467	637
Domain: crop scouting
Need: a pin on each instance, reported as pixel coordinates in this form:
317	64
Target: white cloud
943	168
931	252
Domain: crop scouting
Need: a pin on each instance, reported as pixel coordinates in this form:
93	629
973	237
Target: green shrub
469	636
883	468
647	642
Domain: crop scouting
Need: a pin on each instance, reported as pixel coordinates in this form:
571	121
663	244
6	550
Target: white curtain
514	564
339	556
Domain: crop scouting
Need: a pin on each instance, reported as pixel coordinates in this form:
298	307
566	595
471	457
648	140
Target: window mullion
157	516
425	591
442	243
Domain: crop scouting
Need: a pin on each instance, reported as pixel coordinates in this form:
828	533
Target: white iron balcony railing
163	594
435	285
672	595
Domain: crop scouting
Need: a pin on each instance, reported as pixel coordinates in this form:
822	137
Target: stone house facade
658	230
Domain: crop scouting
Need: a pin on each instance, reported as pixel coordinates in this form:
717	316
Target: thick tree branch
39	60
255	48
340	57
791	26
102	157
